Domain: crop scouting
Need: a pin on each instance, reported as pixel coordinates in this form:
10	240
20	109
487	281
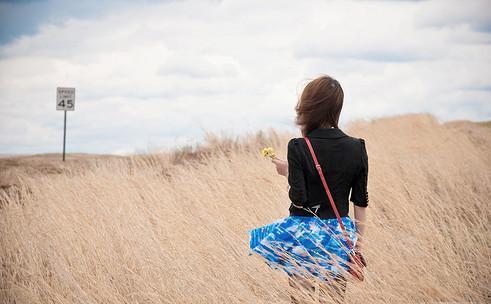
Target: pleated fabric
304	244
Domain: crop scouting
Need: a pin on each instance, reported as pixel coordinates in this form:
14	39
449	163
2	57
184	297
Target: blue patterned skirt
304	244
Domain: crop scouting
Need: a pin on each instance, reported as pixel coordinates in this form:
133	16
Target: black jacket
344	162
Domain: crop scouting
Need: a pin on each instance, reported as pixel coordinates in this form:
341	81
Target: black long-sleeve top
344	162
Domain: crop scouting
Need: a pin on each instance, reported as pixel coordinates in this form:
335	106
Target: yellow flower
268	151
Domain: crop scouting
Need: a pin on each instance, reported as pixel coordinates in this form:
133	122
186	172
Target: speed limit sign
65	99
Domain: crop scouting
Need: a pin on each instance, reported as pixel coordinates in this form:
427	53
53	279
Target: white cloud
163	73
449	13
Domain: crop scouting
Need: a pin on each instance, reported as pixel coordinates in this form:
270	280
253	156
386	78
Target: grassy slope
172	227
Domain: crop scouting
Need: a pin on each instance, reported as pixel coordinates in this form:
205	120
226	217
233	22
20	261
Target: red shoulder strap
333	205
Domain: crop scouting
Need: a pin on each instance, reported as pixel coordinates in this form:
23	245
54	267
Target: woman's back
344	162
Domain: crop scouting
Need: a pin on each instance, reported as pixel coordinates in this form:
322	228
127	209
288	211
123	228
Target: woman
344	163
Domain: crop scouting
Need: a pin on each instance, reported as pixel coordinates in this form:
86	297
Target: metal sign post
65	101
64	136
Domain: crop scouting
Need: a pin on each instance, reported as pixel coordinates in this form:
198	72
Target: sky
152	75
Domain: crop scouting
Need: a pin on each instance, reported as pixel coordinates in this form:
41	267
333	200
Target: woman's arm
297	191
359	194
360	215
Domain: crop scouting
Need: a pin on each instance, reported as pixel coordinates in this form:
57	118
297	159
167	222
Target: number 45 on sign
65	99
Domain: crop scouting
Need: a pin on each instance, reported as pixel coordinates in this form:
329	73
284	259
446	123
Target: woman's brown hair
320	104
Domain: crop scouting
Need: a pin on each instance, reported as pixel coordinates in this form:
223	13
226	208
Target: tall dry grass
172	227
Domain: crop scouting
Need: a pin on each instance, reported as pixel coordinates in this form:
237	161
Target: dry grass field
172	227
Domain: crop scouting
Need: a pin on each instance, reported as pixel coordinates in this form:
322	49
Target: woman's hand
281	166
360	256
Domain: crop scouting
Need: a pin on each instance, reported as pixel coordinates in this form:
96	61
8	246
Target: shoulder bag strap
333	205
